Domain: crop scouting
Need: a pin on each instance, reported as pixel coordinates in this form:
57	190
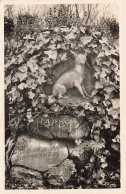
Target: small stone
26	176
61	174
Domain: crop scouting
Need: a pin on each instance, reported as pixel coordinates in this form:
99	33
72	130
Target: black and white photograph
62	96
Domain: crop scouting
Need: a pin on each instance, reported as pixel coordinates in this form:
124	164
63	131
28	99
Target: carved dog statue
72	78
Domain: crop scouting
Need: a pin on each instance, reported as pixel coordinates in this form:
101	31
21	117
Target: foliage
109	27
62	16
8	26
27	24
29	64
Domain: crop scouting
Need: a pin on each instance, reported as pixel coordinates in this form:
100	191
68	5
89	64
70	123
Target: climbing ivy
29	65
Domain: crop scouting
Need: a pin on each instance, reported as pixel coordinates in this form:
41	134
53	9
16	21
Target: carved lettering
61	123
47	122
51	123
41	121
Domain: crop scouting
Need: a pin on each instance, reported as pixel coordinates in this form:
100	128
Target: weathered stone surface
61	174
58	127
38	154
26	176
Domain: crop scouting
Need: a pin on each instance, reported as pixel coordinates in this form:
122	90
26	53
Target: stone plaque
58	127
38	154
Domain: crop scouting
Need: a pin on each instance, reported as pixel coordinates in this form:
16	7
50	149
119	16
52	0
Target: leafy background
31	53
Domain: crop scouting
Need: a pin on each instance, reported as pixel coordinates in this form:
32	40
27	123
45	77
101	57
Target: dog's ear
74	54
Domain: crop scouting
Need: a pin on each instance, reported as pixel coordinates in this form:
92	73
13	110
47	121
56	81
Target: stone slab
38	154
26	176
57	126
61	174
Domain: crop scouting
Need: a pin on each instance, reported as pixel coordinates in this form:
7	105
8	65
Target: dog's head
80	59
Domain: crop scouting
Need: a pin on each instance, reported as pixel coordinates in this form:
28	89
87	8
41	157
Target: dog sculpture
72	78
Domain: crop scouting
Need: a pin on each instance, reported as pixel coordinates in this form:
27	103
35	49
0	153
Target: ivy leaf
61	45
7	81
55	107
52	46
98	61
32	65
67	30
13	60
56	29
41	79
101	54
41	37
103	74
115	62
116	103
98	85
31	83
19	75
88	106
97	123
81	113
114	113
95	100
28	37
115	146
109	89
51	54
96	50
92	45
96	146
51	99
104	165
7	64
78	142
29	117
34	102
103	40
75	30
98	109
107	63
107	96
14	94
22	86
31	95
82	29
113	128
86	39
71	36
27	46
22	68
55	38
103	159
63	57
42	71
97	33
37	46
98	71
94	92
